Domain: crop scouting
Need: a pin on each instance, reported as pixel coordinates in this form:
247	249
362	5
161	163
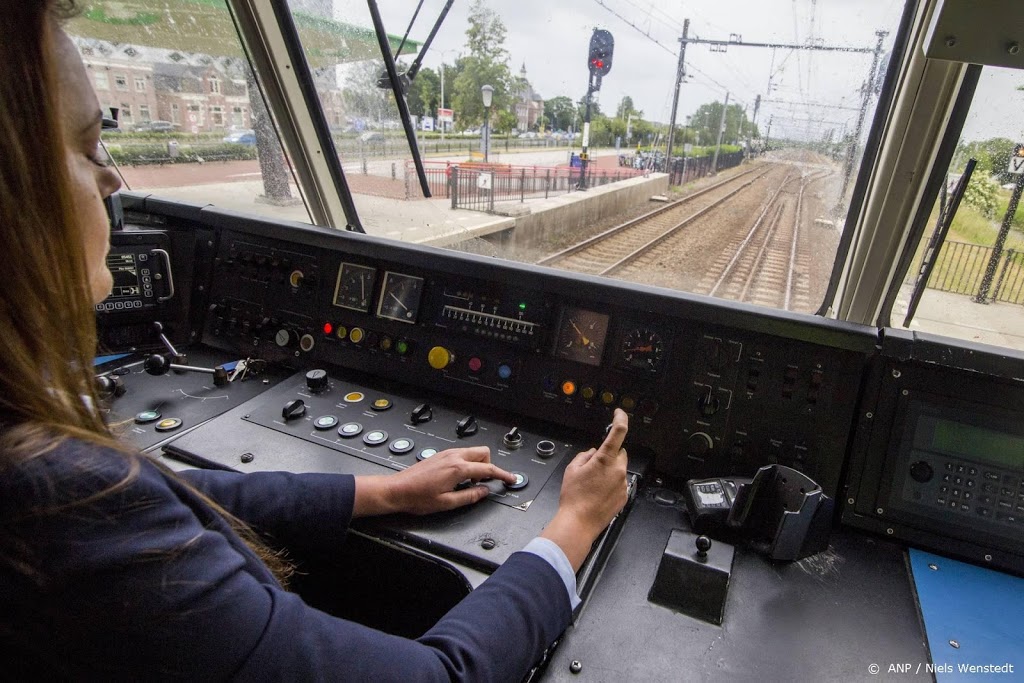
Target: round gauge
400	297
642	349
355	287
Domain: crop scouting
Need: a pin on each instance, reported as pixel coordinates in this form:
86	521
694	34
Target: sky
552	38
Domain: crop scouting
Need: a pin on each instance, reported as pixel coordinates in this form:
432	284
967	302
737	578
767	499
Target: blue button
504	371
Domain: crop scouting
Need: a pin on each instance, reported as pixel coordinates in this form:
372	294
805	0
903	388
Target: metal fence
479	186
961	267
686	169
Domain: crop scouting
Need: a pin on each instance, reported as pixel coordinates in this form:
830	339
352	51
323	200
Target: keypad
987	493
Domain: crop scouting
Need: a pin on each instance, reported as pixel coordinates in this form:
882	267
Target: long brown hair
47	320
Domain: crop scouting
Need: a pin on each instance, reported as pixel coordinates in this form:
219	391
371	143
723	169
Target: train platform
957	315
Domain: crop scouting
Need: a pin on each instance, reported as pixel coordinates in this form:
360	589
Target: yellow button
354	397
587	393
356	335
385	343
439	358
295	279
341	332
628	403
607	397
568	387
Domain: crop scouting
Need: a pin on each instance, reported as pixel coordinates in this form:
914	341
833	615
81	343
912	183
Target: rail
960	269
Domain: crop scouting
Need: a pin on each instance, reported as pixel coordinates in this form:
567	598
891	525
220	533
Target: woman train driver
113	568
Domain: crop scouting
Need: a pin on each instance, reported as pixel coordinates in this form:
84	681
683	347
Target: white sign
427	123
483	181
1016	160
445	115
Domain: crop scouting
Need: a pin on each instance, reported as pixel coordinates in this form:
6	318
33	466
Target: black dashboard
373	354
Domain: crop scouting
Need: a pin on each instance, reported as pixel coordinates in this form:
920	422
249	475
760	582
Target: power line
640	30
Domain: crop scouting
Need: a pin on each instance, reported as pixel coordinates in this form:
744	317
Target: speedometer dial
642	349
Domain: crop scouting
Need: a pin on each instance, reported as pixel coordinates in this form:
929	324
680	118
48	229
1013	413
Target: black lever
110	386
157	365
176	357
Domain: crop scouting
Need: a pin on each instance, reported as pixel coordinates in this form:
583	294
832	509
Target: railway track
613	249
764	264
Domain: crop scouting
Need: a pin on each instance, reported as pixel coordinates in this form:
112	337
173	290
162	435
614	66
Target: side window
975	289
174	75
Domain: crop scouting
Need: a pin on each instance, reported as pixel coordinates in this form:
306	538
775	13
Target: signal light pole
599	62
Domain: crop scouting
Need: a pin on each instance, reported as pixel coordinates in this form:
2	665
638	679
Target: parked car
372	136
241	137
158	127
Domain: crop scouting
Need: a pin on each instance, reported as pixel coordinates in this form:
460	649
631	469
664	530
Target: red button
475	364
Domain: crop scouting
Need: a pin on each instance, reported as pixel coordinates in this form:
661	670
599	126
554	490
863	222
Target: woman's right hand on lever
594	490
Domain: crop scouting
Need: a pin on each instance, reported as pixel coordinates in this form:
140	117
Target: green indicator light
522	306
402	347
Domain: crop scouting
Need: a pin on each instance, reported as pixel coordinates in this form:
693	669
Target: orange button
568	387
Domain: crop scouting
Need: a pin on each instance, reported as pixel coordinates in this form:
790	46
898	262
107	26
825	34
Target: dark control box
939	452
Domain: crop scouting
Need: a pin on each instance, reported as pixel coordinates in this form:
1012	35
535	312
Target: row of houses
194	92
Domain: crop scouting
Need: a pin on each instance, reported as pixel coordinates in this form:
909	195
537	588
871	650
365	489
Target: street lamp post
487	92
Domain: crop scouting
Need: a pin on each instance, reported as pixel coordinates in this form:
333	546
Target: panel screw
889	531
955	644
576	666
988	558
1013	48
897	374
850	501
905	392
950	41
487	544
869	415
879	511
247	457
933	567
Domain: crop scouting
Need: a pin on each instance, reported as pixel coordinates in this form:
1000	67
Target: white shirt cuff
549	551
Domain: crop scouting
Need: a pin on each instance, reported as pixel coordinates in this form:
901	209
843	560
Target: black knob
513	439
921	471
316	380
157	364
293	409
708	404
545	448
421	413
703	544
110	386
467	426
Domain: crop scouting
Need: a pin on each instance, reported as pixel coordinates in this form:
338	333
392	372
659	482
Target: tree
626	108
425	93
559	112
487	63
706	119
993	157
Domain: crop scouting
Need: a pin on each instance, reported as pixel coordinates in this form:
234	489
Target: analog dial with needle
355	287
581	337
400	297
642	349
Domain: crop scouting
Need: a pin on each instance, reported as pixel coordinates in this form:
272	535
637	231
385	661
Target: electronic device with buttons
143	277
940	460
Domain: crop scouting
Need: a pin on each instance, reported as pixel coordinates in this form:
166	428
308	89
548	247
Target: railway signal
599	61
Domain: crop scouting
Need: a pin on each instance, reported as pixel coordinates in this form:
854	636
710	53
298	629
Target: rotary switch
513	438
293	409
421	413
467	426
316	380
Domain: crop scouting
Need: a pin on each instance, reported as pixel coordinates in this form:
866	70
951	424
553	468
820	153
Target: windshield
546	130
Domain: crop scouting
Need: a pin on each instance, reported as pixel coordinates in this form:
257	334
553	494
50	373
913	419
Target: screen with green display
977	443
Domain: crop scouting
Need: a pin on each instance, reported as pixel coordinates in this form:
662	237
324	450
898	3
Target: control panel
705	398
939	456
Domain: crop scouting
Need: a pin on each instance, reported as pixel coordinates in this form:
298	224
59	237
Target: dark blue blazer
148	582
